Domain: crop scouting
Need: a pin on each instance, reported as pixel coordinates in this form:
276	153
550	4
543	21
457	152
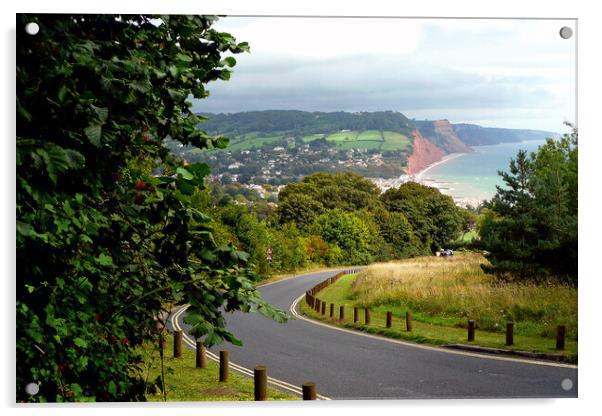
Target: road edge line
236	367
296	314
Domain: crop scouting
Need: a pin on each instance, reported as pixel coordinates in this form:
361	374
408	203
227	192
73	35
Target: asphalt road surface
348	365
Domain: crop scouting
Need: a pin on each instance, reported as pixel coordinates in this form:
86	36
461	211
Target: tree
106	230
530	227
435	218
348	232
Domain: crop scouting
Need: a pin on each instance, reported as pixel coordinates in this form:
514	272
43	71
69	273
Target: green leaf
62	92
94	134
229	61
101	112
80	342
184	173
112	387
104	260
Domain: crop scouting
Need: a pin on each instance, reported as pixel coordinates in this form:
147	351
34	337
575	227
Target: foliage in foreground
102	242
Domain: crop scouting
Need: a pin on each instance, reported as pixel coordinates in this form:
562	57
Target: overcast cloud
500	73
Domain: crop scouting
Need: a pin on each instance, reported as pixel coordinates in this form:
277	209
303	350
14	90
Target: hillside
474	135
279	146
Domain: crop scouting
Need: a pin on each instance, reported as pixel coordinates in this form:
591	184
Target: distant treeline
303	122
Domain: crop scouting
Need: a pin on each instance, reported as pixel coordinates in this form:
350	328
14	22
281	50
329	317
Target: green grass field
313	137
394	141
186	383
250	143
344	136
374	135
446	298
367	139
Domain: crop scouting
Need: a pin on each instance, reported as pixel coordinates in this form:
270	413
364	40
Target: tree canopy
530	226
107	233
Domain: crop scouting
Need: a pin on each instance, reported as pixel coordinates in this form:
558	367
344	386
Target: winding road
347	364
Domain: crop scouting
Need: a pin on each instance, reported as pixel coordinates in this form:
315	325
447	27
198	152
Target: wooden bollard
317	305
323	308
342	312
389	319
223	365
201	355
367	316
309	391
560	336
261	383
408	321
177	344
355	315
509	333
332	310
471	330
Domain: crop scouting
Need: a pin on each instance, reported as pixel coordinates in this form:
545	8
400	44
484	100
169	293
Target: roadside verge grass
428	328
186	383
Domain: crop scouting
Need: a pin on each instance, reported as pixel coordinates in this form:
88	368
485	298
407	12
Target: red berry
145	128
97	316
145	138
124	341
61	367
139	185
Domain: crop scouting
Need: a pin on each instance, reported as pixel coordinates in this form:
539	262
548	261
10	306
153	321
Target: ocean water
472	177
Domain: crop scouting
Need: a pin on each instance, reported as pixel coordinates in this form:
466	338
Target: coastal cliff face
424	154
448	140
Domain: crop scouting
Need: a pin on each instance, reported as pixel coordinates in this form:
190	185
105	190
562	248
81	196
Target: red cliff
423	154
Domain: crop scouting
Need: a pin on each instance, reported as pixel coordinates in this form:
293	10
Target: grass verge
425	328
186	383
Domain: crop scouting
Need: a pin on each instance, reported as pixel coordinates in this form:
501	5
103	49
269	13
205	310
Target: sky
491	72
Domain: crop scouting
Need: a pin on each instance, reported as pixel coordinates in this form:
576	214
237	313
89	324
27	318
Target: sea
472	177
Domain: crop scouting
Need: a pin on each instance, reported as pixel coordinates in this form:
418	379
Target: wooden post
408	321
342	312
509	333
177	344
261	383
367	316
223	365
332	310
389	319
201	355
471	330
560	336
355	315
309	391
323	308
317	305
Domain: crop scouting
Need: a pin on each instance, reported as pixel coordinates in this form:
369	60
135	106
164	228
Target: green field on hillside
370	135
250	143
366	139
394	141
343	136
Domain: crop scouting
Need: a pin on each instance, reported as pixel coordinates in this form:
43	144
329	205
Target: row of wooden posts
320	307
260	373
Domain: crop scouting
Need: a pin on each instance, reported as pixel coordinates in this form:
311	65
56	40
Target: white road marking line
293	310
236	367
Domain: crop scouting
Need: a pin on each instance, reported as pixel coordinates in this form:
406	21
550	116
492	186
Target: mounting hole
32	28
567	384
32	389
566	32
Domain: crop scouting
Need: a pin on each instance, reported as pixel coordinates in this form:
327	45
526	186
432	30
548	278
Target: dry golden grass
452	290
